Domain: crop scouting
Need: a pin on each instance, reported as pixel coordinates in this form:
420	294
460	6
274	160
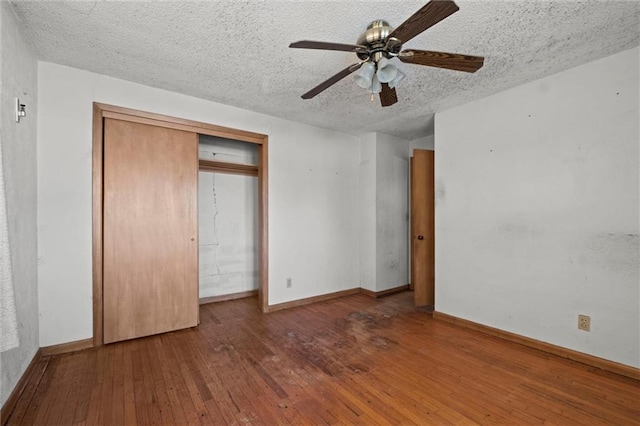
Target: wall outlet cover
584	322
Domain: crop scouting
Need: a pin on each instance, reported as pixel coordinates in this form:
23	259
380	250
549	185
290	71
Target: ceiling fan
380	43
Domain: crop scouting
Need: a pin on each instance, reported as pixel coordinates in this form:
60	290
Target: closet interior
227	219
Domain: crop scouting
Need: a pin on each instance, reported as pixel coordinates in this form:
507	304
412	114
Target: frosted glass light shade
399	77
364	77
386	70
376	86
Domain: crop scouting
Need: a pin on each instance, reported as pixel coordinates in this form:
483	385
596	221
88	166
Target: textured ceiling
236	52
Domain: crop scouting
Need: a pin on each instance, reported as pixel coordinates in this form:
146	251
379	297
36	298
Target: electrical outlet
288	282
584	322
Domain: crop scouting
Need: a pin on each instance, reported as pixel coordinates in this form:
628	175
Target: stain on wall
618	252
440	190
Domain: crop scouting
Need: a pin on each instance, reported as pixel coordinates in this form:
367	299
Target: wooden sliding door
150	230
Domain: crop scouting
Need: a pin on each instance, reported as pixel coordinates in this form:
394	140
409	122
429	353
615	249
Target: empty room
419	212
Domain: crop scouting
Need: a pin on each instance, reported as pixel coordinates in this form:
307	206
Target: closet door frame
102	111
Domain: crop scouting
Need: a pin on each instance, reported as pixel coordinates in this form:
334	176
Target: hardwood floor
353	360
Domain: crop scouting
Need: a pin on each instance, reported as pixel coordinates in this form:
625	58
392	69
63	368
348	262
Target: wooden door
422	228
150	230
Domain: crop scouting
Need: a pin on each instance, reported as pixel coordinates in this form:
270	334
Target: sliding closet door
150	231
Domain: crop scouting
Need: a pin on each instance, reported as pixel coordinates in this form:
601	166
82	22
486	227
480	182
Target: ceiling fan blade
429	15
323	45
451	61
388	95
331	81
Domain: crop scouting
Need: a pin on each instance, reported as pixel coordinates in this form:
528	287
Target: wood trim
412	226
63	348
31	372
97	197
591	360
263	220
100	111
368	292
383	293
225	297
313	299
229	168
197	236
143	117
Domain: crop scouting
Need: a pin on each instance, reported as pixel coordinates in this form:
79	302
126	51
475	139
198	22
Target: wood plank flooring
353	360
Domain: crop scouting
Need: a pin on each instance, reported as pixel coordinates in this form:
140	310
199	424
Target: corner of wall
427	142
367	212
392	209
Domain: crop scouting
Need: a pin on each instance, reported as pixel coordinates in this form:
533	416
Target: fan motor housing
375	37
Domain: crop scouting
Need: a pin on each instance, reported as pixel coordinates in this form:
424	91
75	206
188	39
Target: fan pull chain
372	96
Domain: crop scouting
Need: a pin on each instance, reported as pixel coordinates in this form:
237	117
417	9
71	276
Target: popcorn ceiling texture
236	52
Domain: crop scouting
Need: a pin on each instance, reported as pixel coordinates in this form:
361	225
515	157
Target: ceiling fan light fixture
364	77
396	81
380	43
386	70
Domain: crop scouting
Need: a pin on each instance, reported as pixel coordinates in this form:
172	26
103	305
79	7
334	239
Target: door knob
420	237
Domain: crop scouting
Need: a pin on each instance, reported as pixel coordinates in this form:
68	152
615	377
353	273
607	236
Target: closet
145	220
227	219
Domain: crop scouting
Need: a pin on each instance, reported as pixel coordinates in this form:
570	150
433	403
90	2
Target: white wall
537	209
227	150
19	79
426	142
367	207
384	205
313	175
228	233
392	209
